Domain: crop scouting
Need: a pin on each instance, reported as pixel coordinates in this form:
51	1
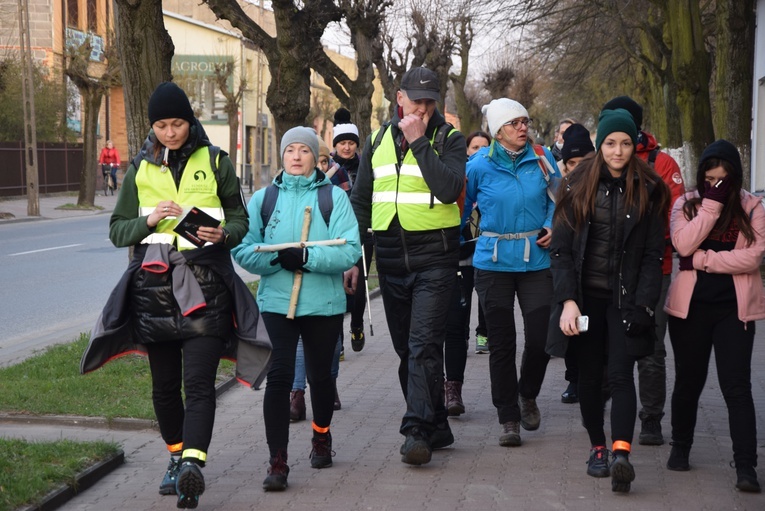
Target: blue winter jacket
321	293
512	197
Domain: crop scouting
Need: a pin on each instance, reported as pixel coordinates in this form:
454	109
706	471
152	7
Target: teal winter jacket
321	293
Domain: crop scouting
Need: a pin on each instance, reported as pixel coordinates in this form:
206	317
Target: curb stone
82	482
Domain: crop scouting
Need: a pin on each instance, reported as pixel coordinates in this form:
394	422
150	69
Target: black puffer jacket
247	342
157	317
605	237
638	269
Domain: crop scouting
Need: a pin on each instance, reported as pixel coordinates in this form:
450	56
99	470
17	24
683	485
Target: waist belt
512	236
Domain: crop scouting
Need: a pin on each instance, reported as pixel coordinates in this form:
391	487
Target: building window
72	13
93	16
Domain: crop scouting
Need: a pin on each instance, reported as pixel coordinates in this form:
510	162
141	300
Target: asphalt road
55	276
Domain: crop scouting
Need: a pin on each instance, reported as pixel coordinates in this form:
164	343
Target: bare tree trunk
734	60
91	99
146	50
690	67
470	118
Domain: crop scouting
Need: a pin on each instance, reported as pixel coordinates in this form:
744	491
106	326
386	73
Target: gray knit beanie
301	135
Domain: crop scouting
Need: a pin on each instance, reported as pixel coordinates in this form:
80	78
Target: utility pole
28	98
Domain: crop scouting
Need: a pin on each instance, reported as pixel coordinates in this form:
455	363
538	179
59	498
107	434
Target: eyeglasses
516	124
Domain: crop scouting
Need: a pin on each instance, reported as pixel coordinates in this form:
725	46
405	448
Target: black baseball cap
421	83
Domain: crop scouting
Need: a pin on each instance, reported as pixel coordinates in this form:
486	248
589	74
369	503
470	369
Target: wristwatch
226	234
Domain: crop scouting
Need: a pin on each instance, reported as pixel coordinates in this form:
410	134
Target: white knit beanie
344	129
500	111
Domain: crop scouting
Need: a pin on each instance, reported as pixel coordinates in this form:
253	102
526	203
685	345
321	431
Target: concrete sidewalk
546	473
15	209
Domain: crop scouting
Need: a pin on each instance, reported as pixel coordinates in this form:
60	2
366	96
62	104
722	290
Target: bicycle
106	171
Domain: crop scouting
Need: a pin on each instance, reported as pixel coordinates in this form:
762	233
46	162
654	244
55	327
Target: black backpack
326	203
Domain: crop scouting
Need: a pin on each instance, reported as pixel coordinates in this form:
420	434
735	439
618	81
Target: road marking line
44	250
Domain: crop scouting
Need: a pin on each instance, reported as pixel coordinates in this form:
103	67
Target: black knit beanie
576	142
168	101
628	104
723	150
344	129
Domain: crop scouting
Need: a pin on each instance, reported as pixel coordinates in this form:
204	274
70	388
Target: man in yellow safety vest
407	189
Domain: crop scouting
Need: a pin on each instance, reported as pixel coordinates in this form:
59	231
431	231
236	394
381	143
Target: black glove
639	322
685	263
291	259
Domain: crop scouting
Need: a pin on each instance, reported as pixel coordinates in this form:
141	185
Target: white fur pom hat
500	111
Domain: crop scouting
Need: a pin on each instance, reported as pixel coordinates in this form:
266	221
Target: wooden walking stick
300	244
297	280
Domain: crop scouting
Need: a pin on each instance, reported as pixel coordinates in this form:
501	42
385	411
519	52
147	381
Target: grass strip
31	470
51	384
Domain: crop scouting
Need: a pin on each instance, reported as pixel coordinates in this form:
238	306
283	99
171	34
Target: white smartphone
582	323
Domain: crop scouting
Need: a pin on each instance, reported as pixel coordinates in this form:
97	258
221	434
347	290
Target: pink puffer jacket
743	262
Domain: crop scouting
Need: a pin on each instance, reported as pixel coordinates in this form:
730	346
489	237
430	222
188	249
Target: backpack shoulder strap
215	154
652	157
547	169
442	133
267	208
378	138
326	203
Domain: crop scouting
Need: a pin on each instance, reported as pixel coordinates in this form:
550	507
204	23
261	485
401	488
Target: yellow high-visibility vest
198	188
403	191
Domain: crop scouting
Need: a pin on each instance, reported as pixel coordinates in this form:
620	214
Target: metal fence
59	166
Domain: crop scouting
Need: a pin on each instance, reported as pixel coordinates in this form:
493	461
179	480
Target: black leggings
193	362
605	343
319	334
693	339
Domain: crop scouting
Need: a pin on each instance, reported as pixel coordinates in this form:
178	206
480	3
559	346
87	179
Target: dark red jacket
109	156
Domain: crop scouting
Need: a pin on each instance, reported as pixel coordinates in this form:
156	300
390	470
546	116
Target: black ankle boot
747	479
678	457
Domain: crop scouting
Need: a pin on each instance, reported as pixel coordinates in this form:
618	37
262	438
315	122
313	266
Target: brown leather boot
454	404
297	405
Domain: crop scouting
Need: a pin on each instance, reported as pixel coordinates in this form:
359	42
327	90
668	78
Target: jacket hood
197	138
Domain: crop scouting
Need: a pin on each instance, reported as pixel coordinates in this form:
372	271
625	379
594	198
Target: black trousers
693	339
193	363
605	343
497	292
652	371
458	325
416	307
319	334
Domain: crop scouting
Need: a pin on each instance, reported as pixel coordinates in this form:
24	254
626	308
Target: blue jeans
299	382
